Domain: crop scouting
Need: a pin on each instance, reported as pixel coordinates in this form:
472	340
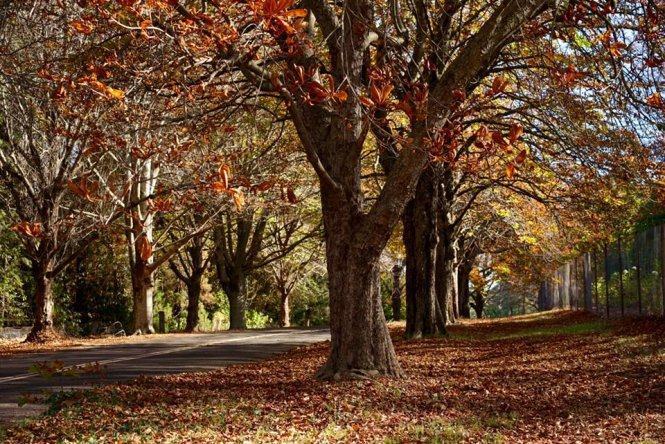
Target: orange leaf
516	131
510	170
291	196
656	101
145	249
238	198
521	157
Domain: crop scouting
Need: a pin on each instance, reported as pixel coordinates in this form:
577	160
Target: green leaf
582	41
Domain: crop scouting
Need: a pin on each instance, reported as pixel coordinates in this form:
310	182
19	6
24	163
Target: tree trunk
235	292
478	303
285	311
396	298
42	329
143	288
446	279
360	346
588	301
193	298
360	342
463	273
420	241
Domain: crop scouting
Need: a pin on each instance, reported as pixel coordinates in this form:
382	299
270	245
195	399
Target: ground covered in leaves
558	377
9	347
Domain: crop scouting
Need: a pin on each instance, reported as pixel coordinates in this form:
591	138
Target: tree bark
420	241
478	303
235	292
463	273
396	297
284	311
360	342
143	287
361	346
588	295
446	279
42	329
193	298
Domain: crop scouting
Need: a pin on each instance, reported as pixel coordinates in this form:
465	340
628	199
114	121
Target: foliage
14	305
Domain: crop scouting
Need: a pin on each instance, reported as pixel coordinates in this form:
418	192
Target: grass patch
583	328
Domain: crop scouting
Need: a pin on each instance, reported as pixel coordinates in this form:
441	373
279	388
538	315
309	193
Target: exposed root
327	373
42	334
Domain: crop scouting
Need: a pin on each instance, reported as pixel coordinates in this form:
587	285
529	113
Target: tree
52	110
331	112
191	265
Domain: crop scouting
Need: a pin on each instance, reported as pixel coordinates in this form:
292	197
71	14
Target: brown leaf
144	247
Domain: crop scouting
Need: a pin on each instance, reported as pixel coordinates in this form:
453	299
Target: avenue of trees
350	161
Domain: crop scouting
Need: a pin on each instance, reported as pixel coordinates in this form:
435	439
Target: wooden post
621	295
162	322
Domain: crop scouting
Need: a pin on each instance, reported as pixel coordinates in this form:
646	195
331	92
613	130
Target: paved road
160	355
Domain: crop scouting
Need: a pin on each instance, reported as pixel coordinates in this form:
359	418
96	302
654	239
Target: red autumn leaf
29	229
516	131
144	248
264	186
380	94
499	84
291	196
510	170
497	138
521	157
656	101
459	95
82	26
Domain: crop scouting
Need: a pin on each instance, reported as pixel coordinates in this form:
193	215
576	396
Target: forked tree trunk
420	242
143	289
42	329
284	311
360	342
193	298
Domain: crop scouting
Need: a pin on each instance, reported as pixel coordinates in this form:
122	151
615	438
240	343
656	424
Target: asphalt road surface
165	354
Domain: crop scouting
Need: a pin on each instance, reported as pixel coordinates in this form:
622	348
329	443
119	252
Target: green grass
582	328
532	329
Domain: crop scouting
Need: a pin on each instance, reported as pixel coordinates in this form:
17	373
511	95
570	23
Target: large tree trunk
420	241
235	292
143	288
446	278
193	298
42	329
284	311
360	342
